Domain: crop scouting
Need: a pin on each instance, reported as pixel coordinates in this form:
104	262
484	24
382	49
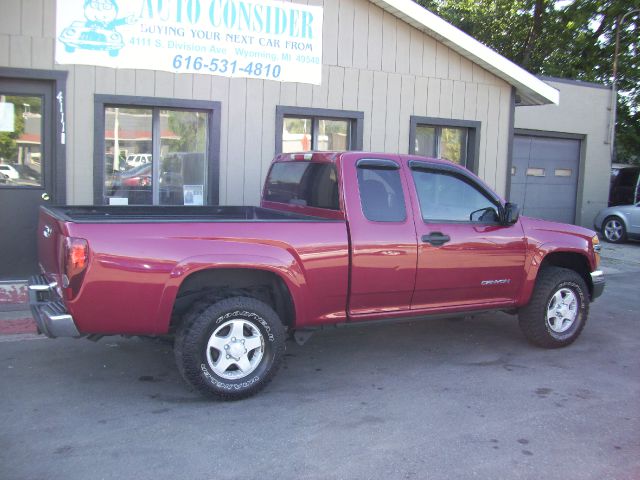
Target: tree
191	130
562	38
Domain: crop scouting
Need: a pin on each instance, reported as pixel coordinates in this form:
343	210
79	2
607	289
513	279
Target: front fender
536	257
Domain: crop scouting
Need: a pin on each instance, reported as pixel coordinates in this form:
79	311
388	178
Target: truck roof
333	156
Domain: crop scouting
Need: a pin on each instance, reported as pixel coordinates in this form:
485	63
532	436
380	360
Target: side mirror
511	213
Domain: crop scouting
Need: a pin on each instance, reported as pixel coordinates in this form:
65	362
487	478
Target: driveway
442	399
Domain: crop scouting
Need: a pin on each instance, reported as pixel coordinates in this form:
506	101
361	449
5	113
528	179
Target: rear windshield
309	184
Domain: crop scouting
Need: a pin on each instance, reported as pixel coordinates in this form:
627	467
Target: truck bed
175	214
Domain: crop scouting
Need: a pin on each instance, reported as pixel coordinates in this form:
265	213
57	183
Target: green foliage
191	128
562	38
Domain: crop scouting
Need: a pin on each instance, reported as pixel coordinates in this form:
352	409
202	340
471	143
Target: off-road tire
197	328
533	318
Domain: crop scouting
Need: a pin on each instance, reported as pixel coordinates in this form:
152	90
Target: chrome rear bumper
47	308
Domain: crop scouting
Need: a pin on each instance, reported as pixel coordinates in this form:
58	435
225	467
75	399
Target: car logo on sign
47	232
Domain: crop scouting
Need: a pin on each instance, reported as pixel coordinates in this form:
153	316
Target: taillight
76	258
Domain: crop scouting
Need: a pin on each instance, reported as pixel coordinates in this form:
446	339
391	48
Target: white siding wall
373	62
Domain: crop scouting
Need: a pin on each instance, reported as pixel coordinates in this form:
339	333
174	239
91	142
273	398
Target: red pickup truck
339	238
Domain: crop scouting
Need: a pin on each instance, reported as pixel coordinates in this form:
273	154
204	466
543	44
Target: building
565	150
173	127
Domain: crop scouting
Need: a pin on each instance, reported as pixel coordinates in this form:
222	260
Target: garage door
544	177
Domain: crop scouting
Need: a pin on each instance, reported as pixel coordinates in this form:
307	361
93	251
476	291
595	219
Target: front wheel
614	230
558	309
231	349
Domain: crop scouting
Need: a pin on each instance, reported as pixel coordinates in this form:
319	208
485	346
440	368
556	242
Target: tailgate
50	236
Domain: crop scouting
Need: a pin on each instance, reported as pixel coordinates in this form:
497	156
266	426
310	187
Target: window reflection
442	142
333	135
21	156
183	163
296	135
130	168
128	161
303	134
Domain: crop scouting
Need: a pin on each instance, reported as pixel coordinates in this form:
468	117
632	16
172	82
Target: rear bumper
48	311
598	281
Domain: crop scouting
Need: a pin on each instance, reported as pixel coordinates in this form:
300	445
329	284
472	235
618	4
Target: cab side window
444	196
381	194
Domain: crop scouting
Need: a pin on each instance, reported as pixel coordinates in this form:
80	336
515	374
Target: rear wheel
558	308
230	349
614	230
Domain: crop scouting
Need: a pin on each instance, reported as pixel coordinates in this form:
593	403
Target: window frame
418	165
473	137
356	132
155	104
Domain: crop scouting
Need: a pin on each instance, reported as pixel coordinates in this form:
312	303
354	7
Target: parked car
340	238
138	159
625	184
135	184
619	224
9	171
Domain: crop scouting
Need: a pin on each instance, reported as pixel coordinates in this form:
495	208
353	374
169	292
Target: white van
137	159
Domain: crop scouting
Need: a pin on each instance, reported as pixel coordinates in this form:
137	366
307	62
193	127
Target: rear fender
272	259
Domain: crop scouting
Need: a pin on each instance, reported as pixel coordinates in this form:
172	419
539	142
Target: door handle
45	196
436	239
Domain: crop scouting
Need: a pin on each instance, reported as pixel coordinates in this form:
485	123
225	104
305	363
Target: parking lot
441	399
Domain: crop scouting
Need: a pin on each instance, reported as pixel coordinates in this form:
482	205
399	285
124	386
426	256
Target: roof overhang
530	90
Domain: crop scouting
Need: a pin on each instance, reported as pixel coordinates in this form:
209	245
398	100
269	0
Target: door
26	168
544	177
383	236
465	256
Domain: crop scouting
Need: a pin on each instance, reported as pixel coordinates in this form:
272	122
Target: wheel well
216	284
573	261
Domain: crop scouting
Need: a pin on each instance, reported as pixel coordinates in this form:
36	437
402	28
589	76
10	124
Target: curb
16	326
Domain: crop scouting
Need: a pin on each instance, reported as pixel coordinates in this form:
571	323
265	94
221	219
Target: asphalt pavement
441	399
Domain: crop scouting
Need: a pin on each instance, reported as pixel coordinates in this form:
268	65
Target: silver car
619	223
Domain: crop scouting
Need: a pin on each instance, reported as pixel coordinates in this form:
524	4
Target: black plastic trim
377	164
178	214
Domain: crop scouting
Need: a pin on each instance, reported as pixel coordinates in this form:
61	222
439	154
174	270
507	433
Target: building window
305	129
454	140
154	152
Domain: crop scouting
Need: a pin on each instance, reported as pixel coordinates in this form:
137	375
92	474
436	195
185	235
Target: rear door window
381	191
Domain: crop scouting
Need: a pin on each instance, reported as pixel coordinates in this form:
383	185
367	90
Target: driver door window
445	197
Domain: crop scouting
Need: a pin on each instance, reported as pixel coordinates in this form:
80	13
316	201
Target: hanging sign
263	39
